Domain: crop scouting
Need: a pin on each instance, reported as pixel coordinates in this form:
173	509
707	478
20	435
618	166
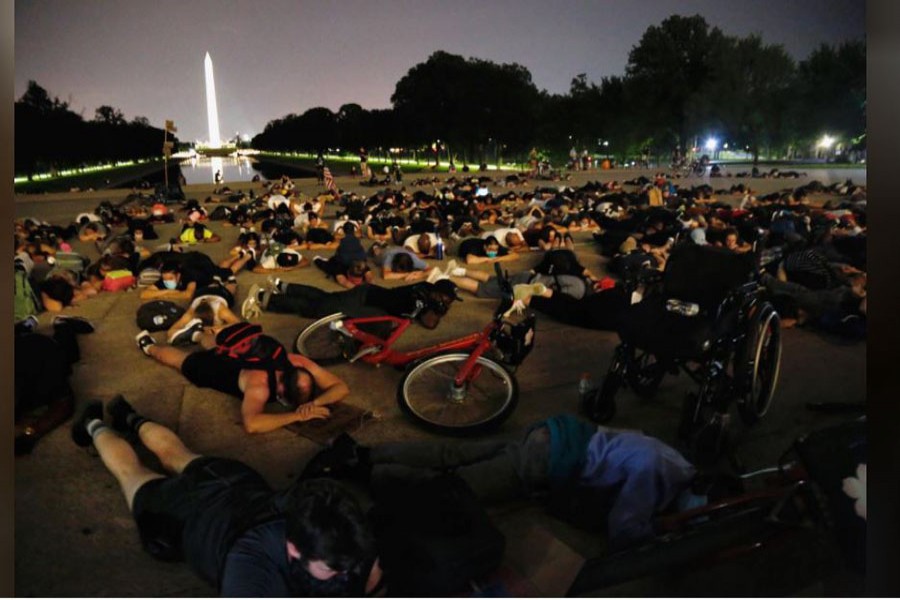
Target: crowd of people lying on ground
812	262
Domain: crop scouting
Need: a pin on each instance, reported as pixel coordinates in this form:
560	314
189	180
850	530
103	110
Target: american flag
329	182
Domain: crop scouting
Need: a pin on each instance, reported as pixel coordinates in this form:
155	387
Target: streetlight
711	144
825	142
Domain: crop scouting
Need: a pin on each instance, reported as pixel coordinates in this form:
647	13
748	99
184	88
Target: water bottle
585	385
439	248
688	309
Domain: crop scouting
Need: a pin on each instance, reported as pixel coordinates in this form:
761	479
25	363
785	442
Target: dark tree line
49	135
684	80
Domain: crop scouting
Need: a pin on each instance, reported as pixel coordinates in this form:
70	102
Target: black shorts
206	369
197	515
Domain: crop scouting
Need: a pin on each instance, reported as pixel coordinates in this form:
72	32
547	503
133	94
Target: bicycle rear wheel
428	394
324	345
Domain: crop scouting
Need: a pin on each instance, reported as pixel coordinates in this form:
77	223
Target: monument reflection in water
203	169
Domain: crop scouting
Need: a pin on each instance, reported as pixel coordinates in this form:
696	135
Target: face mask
491	253
170	284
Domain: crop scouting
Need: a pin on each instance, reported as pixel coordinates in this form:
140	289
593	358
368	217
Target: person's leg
433	455
167	355
296	299
122	461
466	283
492	469
116	453
168	447
159	439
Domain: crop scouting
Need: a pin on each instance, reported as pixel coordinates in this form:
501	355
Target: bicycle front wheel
428	394
324	345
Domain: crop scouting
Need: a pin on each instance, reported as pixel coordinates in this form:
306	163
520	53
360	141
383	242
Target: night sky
274	57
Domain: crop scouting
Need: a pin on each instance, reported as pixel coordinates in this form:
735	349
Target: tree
469	103
831	92
751	92
669	71
38	99
351	121
141	121
109	115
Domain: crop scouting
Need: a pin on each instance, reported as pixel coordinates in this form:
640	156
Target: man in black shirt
226	522
425	302
476	250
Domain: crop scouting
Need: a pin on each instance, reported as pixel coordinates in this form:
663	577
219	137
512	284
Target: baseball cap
447	287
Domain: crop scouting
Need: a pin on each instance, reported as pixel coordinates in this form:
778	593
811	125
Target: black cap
447	287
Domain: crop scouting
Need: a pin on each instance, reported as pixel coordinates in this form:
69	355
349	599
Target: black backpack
158	315
434	537
249	348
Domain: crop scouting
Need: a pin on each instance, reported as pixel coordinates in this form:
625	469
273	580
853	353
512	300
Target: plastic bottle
585	385
688	309
439	248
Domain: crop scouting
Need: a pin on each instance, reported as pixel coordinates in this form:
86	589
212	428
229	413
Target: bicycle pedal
363	352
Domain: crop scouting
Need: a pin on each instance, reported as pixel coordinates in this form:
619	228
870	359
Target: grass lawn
116	176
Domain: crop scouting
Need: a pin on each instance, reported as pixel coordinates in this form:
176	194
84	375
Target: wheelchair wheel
324	345
645	374
760	364
428	395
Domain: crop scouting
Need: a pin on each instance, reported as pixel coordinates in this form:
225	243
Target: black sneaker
119	409
144	341
80	436
187	334
78	324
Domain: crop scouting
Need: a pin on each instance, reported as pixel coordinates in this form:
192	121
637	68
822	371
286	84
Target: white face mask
170	284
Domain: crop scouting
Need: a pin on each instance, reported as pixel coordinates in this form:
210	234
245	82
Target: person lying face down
425	302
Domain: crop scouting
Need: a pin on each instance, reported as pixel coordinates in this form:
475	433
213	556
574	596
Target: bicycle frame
383	353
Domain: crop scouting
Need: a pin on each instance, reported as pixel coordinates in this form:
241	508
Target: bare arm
51	305
154	293
344	282
257	421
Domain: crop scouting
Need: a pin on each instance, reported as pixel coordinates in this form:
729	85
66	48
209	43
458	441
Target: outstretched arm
256	420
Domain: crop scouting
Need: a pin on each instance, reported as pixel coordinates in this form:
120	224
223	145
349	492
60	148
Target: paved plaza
75	537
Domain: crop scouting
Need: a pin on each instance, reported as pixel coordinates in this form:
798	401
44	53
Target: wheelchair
704	315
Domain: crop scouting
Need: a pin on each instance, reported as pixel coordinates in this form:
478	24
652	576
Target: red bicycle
462	386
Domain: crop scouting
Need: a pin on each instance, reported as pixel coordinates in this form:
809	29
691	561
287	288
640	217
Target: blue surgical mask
491	253
170	284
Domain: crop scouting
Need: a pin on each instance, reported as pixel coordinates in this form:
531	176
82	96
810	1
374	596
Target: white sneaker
435	275
250	308
275	284
525	290
453	270
144	341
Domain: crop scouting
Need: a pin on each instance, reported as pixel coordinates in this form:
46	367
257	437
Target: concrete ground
75	537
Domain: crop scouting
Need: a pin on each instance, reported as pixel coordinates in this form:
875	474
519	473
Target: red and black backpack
249	348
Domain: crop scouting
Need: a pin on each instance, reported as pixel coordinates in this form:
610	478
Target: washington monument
212	112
